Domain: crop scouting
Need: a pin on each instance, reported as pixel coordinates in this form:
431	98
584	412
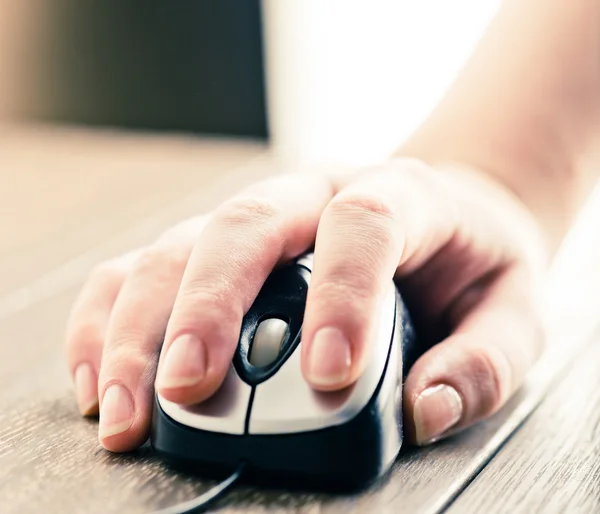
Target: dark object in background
184	66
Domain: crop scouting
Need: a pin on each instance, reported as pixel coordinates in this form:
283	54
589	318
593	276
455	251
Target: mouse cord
205	499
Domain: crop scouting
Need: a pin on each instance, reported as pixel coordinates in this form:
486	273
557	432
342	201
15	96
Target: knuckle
362	205
161	261
107	273
245	210
125	362
255	215
124	337
128	345
344	294
85	334
214	302
489	368
369	221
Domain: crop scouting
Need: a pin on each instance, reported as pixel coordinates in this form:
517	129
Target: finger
270	222
474	249
388	218
471	374
134	335
86	328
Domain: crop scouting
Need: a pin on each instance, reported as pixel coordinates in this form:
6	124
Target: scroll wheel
268	338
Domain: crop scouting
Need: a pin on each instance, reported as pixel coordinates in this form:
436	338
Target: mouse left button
224	412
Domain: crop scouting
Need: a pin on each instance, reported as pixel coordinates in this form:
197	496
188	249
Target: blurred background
140	104
335	80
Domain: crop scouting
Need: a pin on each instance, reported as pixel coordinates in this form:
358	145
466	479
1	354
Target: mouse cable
205	499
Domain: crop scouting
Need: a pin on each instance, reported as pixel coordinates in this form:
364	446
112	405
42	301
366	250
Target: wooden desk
70	199
552	464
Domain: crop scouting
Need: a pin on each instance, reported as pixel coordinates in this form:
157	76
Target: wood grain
64	191
50	456
552	464
50	459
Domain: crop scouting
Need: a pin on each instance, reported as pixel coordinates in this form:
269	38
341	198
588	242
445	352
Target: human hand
466	254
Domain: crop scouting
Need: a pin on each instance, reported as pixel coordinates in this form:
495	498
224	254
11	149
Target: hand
465	252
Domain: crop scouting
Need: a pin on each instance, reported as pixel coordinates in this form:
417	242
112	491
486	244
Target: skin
465	218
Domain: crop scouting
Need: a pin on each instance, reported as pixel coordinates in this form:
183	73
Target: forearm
526	108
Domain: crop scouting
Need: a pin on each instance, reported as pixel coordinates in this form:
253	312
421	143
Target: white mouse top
285	403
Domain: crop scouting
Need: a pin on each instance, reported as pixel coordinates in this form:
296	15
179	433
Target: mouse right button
287	404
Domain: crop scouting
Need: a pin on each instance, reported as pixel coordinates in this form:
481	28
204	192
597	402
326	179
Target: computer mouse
266	416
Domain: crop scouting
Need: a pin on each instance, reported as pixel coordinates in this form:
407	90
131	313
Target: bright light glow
348	80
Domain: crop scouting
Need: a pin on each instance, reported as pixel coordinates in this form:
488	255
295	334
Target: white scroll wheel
268	338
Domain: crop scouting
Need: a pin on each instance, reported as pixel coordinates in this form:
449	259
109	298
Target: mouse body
267	416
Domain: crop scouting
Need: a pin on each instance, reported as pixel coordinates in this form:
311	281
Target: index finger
241	244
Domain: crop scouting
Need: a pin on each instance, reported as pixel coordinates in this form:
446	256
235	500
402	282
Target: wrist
525	109
544	179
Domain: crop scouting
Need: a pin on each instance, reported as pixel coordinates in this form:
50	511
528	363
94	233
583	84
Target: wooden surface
75	198
552	464
63	192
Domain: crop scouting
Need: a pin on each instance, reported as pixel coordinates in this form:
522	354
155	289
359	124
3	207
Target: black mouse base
342	458
275	481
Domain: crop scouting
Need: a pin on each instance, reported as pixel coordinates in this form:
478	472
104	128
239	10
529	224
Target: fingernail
329	358
184	365
117	412
86	390
436	410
